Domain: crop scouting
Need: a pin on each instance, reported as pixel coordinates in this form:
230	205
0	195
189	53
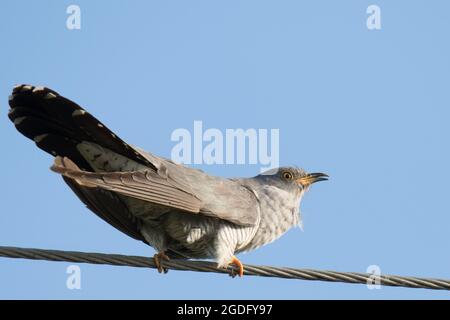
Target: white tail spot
80	112
39	89
17	121
39	138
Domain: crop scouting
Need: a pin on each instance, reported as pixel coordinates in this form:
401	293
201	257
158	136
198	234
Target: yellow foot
158	259
235	261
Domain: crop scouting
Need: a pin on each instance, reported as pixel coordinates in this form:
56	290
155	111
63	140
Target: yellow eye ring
287	175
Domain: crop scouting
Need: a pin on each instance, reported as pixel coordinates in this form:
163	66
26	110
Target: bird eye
287	175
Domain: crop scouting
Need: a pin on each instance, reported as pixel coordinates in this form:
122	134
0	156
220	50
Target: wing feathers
143	185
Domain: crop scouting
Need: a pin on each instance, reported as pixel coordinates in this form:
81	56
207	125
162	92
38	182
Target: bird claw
158	258
240	272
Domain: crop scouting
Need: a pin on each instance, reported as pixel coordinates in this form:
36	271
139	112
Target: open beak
311	178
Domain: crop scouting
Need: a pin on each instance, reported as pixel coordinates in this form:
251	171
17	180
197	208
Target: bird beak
311	178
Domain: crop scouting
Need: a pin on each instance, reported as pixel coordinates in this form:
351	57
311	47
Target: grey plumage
177	210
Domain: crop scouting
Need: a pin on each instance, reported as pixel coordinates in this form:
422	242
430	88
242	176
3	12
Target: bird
182	212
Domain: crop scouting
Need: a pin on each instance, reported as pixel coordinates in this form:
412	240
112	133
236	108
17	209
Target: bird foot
159	257
235	261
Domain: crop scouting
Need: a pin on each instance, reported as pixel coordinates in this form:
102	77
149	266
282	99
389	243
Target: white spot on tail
39	138
17	121
80	112
39	89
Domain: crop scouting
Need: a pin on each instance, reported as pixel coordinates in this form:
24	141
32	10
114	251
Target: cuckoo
181	212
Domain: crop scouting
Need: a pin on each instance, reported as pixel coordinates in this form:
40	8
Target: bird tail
57	125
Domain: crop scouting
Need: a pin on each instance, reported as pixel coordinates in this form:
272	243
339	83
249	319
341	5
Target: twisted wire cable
205	266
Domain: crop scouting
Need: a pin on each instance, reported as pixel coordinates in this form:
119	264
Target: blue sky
371	108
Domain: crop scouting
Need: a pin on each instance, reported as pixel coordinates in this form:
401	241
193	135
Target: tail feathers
58	125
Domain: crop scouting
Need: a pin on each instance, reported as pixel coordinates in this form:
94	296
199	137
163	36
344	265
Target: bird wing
222	198
143	185
207	195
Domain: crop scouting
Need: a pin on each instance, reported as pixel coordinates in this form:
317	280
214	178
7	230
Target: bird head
292	178
281	190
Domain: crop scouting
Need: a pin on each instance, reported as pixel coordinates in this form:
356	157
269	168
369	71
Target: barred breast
279	213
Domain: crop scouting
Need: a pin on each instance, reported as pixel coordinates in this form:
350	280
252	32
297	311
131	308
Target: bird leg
235	261
158	261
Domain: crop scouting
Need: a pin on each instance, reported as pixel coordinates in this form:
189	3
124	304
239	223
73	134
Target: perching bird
181	212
